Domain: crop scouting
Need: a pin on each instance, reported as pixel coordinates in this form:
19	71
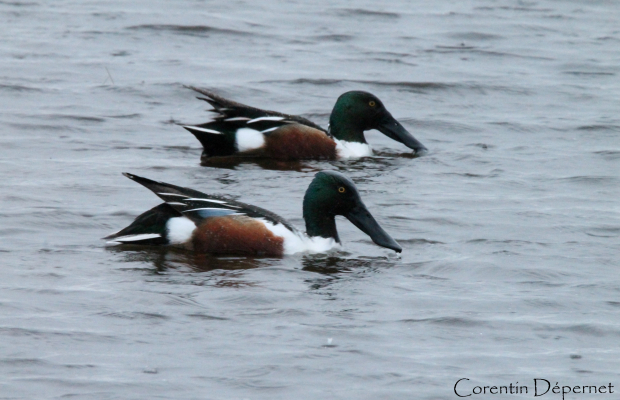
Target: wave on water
361	12
192	30
591	180
333	38
125	116
43	127
513	8
604	231
134	315
473	49
419	241
417	87
18	88
475	36
442	221
589	73
19	3
450	321
446	126
610	155
597	330
599	128
414	86
81	118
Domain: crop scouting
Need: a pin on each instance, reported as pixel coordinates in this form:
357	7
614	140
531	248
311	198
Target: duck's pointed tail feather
148	228
165	191
214	143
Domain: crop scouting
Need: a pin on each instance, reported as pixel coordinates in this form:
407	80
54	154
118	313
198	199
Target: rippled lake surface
510	225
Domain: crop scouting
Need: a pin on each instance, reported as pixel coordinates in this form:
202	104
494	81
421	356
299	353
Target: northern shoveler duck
217	225
242	130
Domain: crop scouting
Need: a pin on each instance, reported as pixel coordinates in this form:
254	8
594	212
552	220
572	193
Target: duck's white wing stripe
270	129
265	119
209	200
211	209
135	238
172	194
196	128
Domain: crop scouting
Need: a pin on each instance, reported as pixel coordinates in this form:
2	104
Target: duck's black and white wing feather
255	118
197	206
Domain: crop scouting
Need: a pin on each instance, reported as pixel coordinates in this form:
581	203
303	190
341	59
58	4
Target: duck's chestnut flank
236	235
299	142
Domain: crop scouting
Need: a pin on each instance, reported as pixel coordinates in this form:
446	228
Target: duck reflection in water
213	271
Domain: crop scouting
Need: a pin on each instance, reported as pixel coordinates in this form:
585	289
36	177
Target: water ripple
19	88
459	322
361	12
191	30
611	155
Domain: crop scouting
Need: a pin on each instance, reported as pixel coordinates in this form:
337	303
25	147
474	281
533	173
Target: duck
217	225
242	131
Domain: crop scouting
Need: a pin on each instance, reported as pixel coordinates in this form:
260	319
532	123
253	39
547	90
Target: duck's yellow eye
372	103
341	189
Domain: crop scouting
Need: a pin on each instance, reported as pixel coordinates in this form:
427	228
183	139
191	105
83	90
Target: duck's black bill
361	217
391	128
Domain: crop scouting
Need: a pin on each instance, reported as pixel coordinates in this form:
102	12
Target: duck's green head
357	111
330	194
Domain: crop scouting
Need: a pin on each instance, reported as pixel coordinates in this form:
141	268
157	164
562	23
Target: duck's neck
318	222
321	225
344	128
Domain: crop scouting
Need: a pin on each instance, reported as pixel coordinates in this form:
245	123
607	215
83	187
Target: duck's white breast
297	242
352	149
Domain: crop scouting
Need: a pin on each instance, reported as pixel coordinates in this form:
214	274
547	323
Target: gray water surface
510	225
